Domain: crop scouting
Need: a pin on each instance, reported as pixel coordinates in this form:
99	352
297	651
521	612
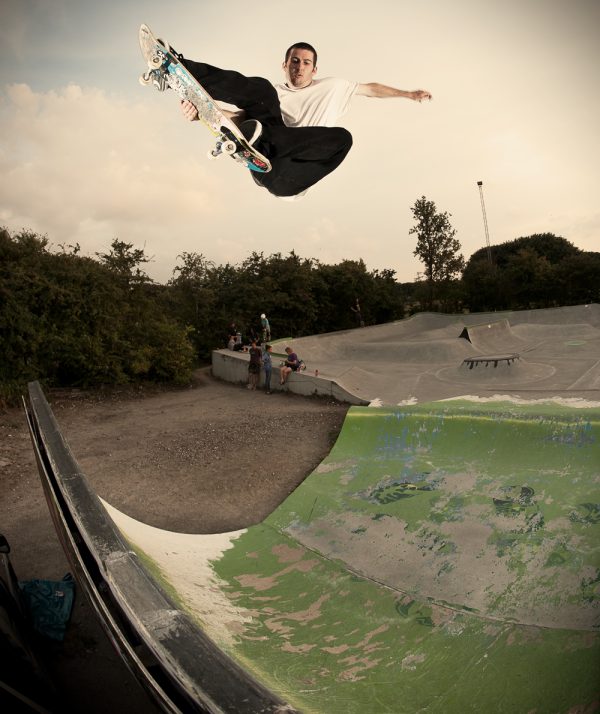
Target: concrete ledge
233	367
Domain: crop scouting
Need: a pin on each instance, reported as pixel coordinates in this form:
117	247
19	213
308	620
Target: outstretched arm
382	91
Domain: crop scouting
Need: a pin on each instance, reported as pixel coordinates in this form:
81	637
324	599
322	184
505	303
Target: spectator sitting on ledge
291	364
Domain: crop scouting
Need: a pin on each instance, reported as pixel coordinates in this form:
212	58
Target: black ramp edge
176	662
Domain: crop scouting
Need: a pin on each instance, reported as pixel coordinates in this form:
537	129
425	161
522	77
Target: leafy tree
282	287
72	320
577	278
437	248
386	300
546	245
528	280
482	285
193	300
340	286
531	271
125	260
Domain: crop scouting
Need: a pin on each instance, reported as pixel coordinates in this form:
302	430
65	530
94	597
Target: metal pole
485	224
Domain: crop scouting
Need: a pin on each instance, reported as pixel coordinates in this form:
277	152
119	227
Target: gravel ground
211	458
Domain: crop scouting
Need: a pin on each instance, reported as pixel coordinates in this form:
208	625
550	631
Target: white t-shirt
322	103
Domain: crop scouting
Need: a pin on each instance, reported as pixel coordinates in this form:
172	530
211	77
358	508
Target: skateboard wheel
157	59
145	79
229	147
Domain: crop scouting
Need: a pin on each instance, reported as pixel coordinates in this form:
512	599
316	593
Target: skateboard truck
223	147
155	62
154	77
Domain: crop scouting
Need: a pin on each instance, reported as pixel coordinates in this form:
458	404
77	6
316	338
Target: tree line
537	271
71	320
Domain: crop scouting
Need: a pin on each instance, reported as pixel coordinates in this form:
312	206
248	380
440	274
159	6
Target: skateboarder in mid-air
293	124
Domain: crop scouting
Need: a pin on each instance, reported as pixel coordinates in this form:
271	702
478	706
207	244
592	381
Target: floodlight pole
485	224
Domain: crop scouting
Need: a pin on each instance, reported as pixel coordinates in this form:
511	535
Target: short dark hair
301	46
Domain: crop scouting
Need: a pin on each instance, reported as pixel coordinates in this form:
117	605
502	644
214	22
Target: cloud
102	158
84	166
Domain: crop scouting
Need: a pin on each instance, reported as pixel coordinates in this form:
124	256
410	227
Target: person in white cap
266	328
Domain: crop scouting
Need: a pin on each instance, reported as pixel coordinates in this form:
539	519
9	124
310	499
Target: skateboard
164	68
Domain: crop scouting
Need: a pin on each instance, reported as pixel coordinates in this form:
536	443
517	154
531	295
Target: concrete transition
444	556
534	353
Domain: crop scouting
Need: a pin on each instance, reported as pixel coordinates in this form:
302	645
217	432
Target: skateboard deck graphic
164	68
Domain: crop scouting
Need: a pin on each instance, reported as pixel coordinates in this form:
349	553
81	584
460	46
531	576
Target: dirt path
213	458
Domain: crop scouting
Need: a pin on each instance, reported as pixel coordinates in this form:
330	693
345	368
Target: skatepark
442	558
535	353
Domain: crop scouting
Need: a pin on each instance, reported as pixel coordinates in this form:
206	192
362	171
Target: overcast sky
88	155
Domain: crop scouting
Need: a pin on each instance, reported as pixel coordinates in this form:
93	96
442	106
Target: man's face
299	68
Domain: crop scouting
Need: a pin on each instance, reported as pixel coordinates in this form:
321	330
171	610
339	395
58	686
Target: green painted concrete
489	508
338	624
443	558
330	641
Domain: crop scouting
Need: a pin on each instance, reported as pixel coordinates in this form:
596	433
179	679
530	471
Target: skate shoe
251	129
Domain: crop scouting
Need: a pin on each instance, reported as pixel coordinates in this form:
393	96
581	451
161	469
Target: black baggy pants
299	156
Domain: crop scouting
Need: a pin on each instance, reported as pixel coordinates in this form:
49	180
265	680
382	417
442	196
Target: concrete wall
233	367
